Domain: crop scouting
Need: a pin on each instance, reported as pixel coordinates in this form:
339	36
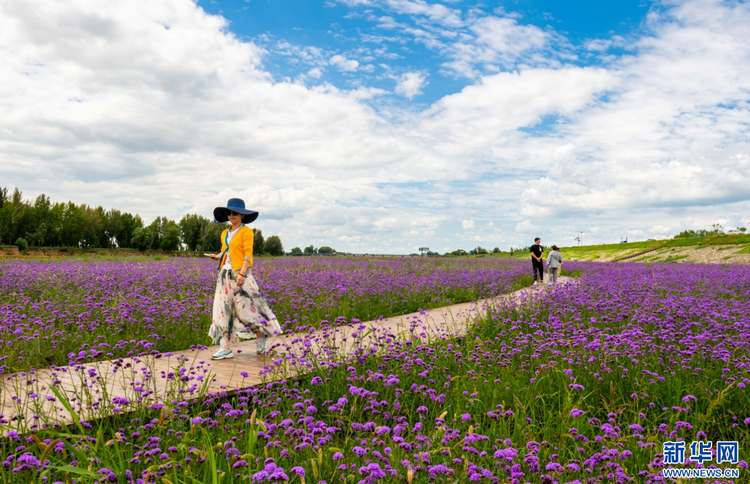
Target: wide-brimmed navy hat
236	205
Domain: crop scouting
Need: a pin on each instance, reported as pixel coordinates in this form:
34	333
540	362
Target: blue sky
348	28
382	126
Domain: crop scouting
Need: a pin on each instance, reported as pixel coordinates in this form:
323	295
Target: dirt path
102	388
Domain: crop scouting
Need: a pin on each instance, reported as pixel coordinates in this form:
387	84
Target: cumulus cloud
493	40
343	64
467	224
564	152
526	227
472	44
410	84
436	12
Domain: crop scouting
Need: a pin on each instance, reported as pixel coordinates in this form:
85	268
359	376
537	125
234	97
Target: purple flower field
60	313
582	384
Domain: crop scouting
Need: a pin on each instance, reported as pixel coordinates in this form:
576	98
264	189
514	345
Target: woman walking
554	265
238	304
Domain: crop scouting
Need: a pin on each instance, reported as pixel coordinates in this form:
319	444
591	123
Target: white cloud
494	40
315	73
356	3
526	227
665	229
424	226
436	12
564	152
472	44
410	84
343	64
674	130
487	115
467	224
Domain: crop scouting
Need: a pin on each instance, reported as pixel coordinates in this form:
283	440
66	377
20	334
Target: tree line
42	223
716	229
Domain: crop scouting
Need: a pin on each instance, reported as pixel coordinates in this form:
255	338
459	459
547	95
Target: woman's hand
240	279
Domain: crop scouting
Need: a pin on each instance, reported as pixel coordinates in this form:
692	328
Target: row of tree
310	250
716	229
42	223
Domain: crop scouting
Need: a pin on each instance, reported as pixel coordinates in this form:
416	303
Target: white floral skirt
240	308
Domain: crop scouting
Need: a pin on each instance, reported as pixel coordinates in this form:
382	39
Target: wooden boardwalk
97	389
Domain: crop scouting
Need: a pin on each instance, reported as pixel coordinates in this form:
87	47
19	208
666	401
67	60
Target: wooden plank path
102	388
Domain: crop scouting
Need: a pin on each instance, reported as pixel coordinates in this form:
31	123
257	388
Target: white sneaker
222	354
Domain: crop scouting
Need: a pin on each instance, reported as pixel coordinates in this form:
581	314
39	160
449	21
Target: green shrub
22	244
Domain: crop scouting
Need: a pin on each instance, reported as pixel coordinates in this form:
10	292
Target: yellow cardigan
240	246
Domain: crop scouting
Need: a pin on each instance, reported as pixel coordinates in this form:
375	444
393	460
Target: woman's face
234	217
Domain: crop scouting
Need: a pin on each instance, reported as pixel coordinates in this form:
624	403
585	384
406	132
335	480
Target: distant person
537	264
239	307
554	265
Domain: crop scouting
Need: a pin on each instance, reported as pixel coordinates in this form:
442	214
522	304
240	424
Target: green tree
259	243
39	236
20	215
4	215
158	227
273	246
170	242
128	225
55	225
194	230
73	225
94	227
113	224
326	250
310	249
142	238
37	228
496	250
22	244
212	237
296	250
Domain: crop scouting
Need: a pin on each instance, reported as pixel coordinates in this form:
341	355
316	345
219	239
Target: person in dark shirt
537	260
